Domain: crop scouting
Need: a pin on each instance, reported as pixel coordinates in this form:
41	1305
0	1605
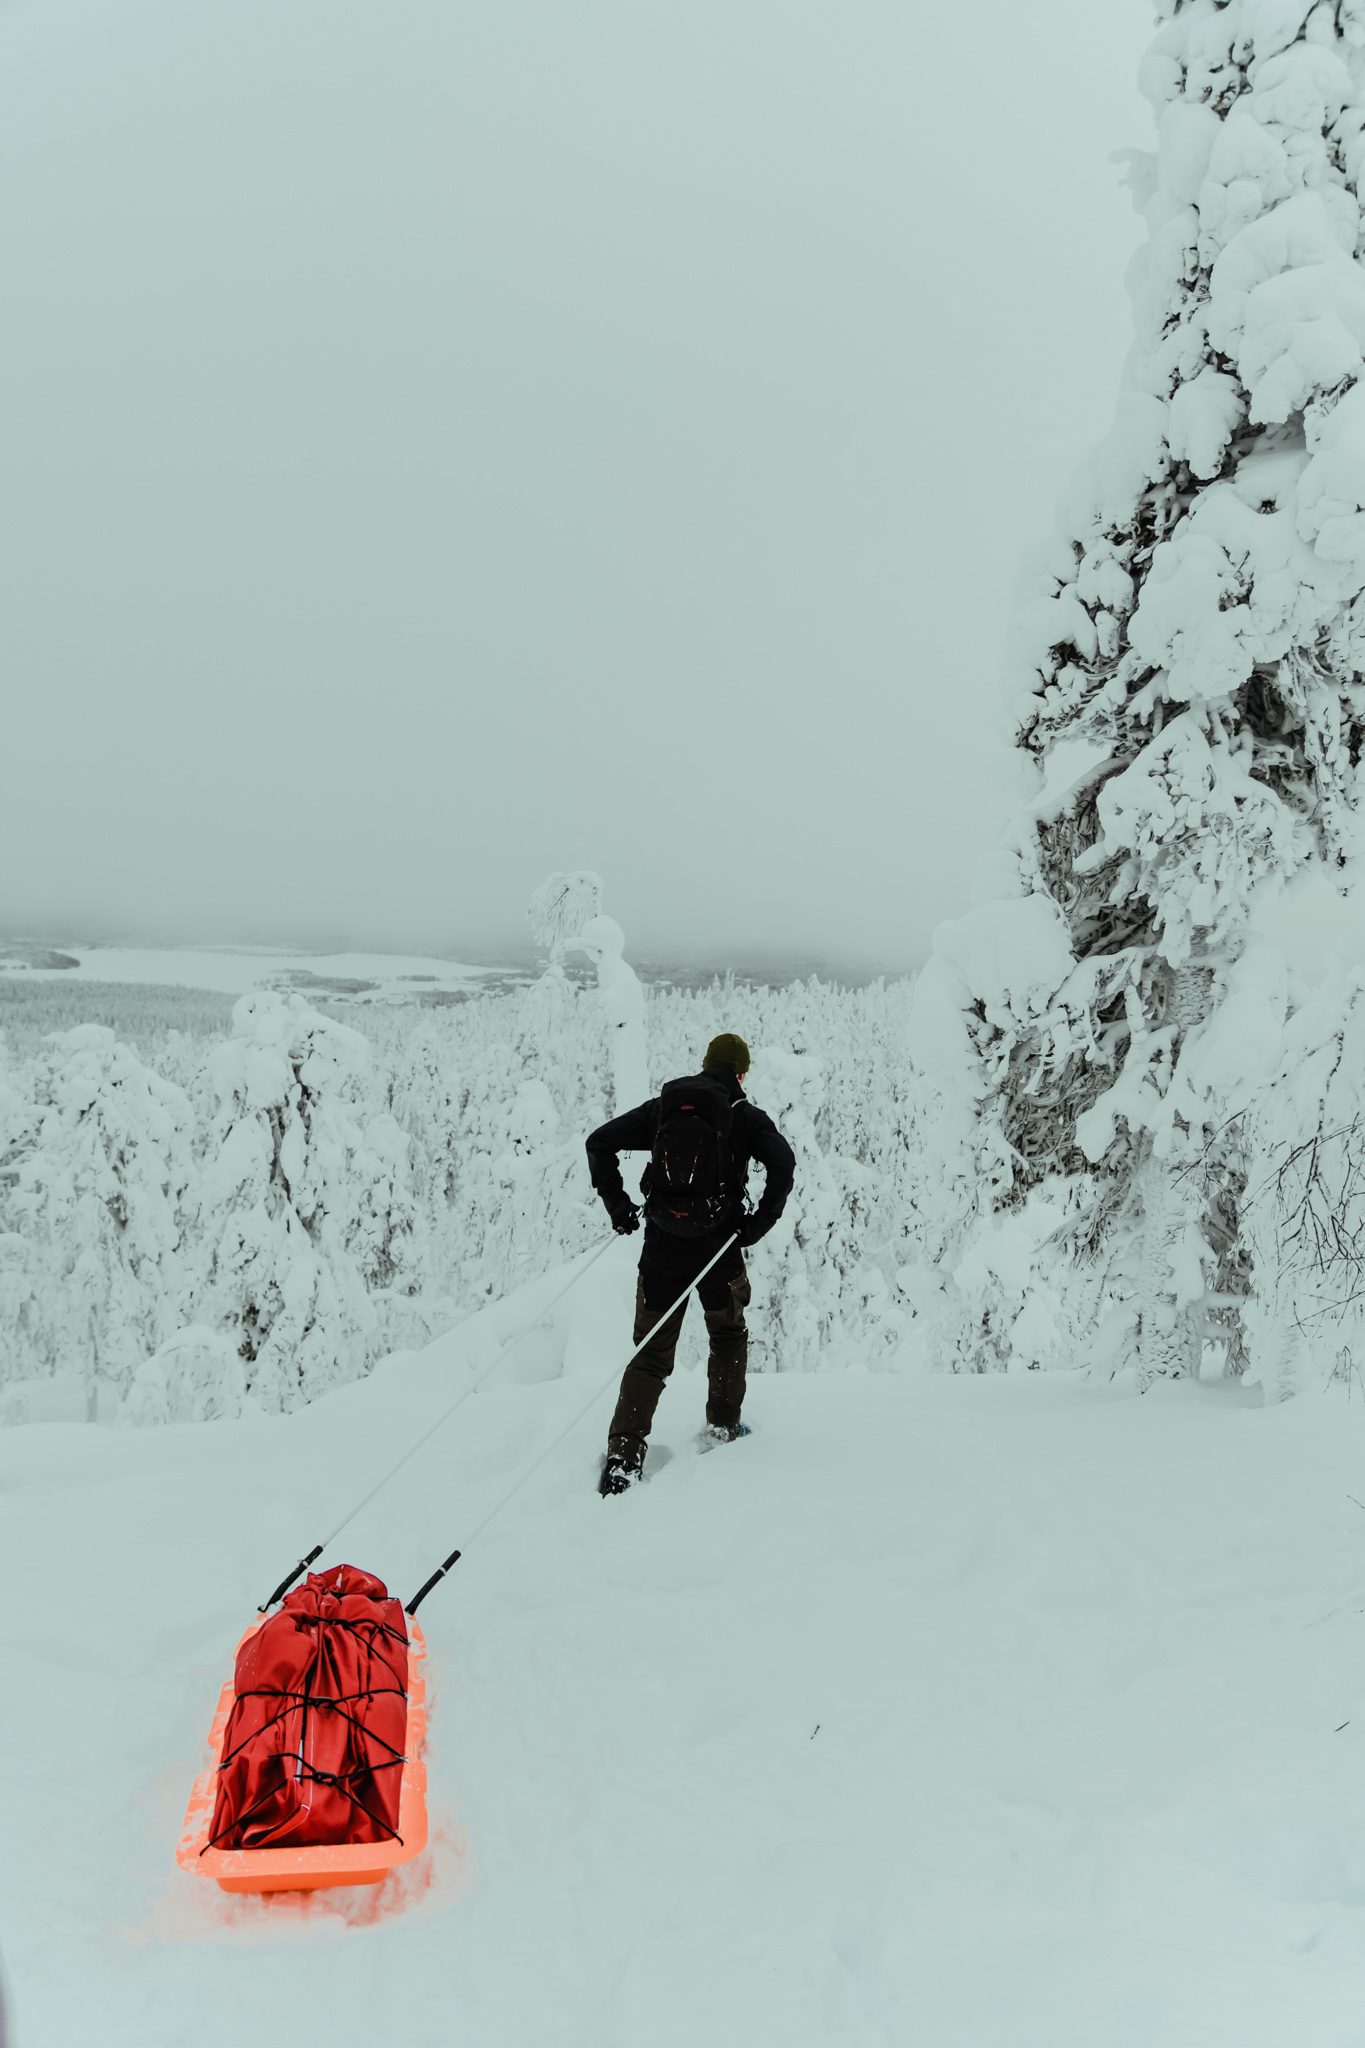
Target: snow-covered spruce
386	1231
19	1279
823	1297
94	1166
1194	668
279	1203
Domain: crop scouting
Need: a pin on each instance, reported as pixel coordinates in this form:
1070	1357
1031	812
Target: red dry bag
313	1751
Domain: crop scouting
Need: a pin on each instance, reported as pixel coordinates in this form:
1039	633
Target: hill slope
954	1713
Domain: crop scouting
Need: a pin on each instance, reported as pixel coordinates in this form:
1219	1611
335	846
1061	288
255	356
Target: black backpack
690	1182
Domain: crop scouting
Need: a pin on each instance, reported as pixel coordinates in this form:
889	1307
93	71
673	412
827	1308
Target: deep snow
952	1713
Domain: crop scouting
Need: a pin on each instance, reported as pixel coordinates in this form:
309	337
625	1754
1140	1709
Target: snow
972	1712
1204	416
1288	305
1015	955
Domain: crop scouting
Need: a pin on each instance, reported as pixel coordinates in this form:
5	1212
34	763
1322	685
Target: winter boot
625	1461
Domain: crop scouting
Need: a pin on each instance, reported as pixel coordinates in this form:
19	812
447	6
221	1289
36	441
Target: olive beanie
729	1050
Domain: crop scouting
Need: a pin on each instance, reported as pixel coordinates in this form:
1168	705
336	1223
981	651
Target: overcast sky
444	443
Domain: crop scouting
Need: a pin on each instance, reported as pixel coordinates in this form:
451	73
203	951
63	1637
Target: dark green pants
644	1377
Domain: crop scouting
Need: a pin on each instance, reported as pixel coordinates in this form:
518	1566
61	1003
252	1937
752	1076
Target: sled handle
420	1595
314	1554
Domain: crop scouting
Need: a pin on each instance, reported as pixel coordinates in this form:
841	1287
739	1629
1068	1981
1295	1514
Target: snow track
953	1713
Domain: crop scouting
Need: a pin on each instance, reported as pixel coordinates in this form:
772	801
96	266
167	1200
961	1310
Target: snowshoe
722	1433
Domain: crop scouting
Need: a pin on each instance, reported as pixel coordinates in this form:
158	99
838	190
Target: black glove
625	1217
750	1231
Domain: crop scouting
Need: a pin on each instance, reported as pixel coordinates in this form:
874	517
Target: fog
443	444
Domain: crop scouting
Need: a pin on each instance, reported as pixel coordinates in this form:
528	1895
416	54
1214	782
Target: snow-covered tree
1190	694
821	1296
560	908
198	1375
621	996
426	1096
557	913
796	1270
20	1278
1305	1202
277	1203
386	1235
331	1186
96	1165
566	917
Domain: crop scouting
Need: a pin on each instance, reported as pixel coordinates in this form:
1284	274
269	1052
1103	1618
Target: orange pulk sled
317	1775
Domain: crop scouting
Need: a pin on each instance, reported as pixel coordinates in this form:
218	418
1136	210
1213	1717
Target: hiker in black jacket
701	1134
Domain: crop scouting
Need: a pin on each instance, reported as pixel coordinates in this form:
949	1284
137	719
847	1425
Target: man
701	1134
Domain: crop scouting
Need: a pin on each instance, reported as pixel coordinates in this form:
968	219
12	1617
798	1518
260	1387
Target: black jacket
753	1135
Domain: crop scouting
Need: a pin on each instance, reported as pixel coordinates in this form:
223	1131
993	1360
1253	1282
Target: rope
336	1703
368	1634
473	1388
564	1434
313	1777
504	1352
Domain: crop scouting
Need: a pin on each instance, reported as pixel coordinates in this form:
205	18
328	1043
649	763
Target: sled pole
285	1584
531	1470
503	1352
420	1595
